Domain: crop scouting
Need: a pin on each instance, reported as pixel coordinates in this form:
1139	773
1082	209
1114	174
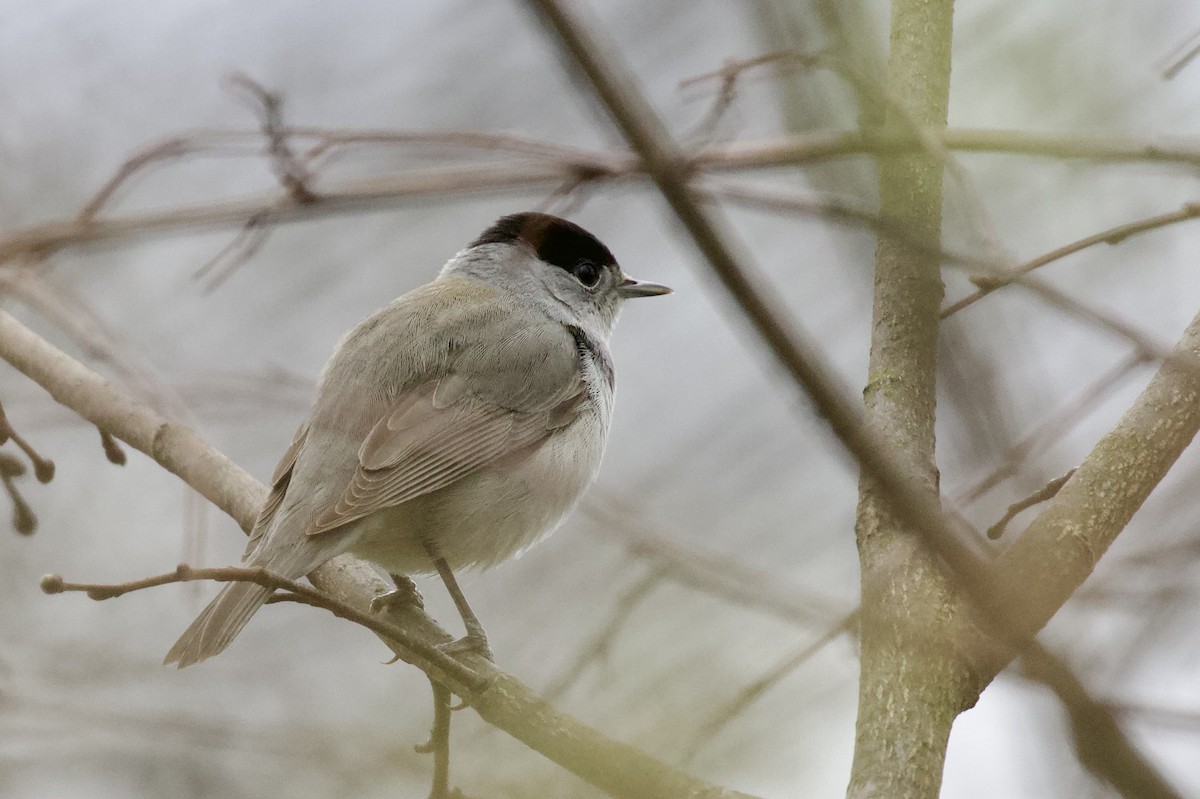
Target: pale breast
507	506
493	514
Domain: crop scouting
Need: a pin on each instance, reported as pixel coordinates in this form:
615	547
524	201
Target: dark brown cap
556	241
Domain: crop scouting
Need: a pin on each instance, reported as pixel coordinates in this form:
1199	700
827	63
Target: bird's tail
219	623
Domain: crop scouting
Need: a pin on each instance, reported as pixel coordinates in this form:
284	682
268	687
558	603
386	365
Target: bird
452	429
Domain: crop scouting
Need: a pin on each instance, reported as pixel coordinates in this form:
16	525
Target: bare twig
1050	429
213	144
443	664
751	693
1043	494
810	148
835	210
24	521
991	282
601	643
1183	54
292	175
43	468
711	573
554	166
344	198
439	742
245	245
1100	743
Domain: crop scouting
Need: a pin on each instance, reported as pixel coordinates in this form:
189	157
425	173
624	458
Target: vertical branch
911	679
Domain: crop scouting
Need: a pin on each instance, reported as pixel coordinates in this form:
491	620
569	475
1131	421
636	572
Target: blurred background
636	615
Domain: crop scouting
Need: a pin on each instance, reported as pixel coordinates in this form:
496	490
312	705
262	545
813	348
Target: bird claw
473	642
404	595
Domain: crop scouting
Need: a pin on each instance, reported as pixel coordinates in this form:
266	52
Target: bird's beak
630	288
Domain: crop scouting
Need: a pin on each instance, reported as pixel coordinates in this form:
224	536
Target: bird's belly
490	515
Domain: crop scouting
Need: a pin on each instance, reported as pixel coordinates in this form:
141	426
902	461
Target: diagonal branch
907	498
1059	549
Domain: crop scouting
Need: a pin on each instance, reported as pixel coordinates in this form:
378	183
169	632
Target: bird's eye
587	273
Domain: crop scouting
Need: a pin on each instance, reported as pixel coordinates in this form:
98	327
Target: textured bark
911	677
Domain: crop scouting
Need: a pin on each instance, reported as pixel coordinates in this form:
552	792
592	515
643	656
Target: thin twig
601	643
1043	494
43	468
439	742
835	210
292	175
439	660
24	521
1183	54
751	693
1115	235
1050	430
351	196
244	246
715	574
213	144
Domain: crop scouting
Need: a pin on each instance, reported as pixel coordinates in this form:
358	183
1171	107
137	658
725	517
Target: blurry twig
748	695
553	166
601	643
208	143
1051	429
43	468
835	210
293	175
729	75
991	282
711	573
244	246
1183	54
1165	716
1100	743
23	519
734	68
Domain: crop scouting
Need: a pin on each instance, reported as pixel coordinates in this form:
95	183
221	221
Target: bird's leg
476	639
404	595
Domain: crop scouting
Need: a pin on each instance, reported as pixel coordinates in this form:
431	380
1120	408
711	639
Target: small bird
452	429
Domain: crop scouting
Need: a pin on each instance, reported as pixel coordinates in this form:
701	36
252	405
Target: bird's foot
404	595
475	642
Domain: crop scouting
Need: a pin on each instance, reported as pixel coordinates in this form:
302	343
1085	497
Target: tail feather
219	623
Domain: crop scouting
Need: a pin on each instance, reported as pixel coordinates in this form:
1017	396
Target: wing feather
280	480
443	430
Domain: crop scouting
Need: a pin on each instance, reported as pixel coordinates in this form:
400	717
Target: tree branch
614	767
911	678
1061	547
909	500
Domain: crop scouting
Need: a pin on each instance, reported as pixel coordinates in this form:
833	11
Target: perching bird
453	428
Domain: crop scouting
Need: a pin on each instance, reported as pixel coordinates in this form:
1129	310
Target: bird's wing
493	402
279	485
